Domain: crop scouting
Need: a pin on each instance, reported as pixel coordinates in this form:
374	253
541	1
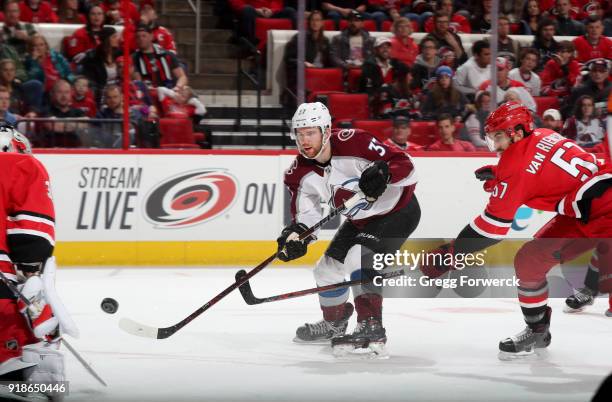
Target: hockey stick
247	292
146	331
72	350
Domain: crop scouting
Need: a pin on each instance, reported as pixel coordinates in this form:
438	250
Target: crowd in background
436	78
83	79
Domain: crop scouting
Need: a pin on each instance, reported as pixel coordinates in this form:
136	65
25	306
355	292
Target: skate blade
374	351
533	354
569	310
318	342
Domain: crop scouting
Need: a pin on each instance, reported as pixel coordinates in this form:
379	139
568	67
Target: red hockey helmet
507	117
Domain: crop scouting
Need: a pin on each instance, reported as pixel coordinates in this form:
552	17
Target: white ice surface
441	349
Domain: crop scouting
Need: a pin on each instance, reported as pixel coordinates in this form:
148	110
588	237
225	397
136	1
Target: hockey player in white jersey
332	166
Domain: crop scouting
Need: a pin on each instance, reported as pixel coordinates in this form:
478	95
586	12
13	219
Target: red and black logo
190	198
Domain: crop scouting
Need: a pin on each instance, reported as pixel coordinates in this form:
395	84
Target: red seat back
381	129
423	132
546	102
354	74
323	80
369	25
177	132
347	107
263	25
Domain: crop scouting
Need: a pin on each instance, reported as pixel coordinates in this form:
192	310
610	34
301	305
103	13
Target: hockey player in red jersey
28	350
543	170
331	167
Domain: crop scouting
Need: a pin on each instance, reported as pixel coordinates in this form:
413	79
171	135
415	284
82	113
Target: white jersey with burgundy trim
335	182
27	217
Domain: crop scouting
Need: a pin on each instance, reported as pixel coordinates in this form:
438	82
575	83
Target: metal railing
196	7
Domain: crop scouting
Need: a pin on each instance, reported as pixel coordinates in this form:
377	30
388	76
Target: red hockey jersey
27	228
335	182
544	171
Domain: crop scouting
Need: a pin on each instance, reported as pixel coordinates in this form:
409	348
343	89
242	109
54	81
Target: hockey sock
368	305
534	303
591	280
336	313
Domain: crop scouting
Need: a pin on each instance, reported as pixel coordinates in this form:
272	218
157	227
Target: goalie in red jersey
546	171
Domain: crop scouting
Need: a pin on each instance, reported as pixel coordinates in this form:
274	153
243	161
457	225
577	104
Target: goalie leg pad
49	363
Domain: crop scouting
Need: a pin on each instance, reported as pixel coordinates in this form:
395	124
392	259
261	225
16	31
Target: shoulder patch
346	134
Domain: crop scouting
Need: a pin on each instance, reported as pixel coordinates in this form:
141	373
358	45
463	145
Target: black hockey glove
374	179
292	249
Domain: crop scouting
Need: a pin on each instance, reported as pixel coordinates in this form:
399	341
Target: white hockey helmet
12	140
313	114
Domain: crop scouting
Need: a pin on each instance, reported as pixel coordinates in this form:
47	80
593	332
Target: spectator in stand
475	120
248	10
551	119
155	66
140	100
68	13
113	11
37	11
5	102
83	97
67	134
181	104
383	10
337	10
87	37
161	35
445	38
353	45
400	98
9	52
317	53
443	97
378	70
597	85
584	127
504	84
25	97
401	134
531	18
426	63
403	47
525	74
507	47
110	134
458	22
99	64
447	141
475	70
481	18
565	24
45	64
593	45
544	41
560	72
14	32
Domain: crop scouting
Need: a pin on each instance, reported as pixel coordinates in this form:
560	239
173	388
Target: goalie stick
247	292
132	327
68	346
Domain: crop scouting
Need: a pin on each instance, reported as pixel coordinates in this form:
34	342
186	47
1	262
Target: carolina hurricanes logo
346	134
190	198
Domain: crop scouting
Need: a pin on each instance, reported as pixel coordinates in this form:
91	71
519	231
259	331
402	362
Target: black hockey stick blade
246	291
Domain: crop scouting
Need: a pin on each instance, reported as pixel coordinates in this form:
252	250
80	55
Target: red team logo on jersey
190	198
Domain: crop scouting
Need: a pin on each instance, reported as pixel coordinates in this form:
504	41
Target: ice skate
528	341
367	340
579	300
322	331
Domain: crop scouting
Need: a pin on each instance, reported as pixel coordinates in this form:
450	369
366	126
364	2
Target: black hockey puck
109	305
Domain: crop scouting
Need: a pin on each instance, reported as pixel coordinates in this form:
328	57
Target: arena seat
381	129
545	102
323	81
347	107
330	25
423	132
263	25
369	25
354	74
176	133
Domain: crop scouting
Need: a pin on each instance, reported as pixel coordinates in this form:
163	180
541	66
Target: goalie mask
12	140
313	114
